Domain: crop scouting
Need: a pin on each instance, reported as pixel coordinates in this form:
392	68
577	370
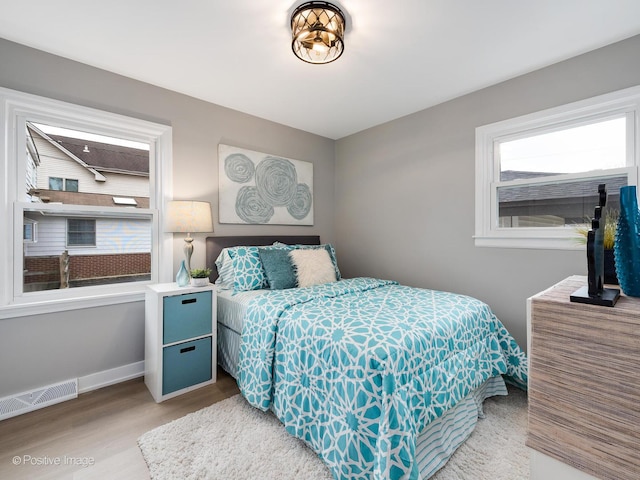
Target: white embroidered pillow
312	266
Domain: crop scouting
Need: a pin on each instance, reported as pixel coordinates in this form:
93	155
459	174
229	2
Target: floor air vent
39	398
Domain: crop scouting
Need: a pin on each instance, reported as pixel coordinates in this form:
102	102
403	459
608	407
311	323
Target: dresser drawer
186	364
186	316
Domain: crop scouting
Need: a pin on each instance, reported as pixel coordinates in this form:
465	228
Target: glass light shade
317	32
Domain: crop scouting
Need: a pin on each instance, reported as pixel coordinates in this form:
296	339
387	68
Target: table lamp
186	216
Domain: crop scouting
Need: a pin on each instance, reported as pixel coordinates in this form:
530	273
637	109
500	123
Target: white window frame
487	232
15	109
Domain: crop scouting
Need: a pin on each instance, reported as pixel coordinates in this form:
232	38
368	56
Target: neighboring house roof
507	175
33	129
79	198
105	157
577	189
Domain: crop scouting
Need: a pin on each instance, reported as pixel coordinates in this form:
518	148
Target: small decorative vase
627	243
182	277
199	282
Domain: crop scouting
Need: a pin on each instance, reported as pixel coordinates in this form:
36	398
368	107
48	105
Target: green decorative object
200	273
200	277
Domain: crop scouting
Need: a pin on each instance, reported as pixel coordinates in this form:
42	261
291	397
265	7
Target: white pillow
312	266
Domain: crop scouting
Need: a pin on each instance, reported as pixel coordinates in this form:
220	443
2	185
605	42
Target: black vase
610	276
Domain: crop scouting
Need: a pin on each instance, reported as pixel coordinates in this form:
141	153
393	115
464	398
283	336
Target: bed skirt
228	349
436	443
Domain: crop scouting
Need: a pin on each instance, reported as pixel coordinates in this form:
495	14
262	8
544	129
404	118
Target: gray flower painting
259	188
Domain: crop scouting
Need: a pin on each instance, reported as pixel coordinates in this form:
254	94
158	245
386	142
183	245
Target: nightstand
180	339
584	421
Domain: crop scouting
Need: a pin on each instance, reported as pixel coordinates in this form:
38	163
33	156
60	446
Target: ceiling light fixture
318	31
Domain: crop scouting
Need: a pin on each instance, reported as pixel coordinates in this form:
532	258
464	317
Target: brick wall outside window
82	268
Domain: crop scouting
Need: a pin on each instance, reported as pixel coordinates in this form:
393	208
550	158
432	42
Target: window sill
63	305
544	243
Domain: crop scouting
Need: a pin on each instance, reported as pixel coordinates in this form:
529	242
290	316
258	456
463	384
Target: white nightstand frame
153	345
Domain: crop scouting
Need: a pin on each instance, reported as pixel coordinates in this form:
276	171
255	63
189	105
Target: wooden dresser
584	383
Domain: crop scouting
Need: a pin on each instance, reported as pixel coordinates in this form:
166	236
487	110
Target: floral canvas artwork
258	188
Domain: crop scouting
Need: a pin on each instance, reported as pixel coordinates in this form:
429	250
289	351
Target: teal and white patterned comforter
358	367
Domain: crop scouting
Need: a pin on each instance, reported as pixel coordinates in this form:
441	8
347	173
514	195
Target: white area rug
232	440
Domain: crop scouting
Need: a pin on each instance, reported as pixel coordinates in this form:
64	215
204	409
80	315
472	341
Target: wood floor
99	428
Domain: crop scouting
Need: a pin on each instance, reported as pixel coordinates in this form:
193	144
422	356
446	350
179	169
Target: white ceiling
400	56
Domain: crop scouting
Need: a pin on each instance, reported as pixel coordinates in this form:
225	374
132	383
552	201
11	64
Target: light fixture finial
317	30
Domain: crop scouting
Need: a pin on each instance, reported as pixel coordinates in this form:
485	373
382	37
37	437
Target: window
70	185
81	232
537	176
64	165
56	183
125	201
30	231
63	184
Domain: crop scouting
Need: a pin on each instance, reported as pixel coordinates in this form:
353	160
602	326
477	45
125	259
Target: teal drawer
186	316
186	364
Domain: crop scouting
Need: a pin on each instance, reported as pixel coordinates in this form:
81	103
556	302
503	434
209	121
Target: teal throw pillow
278	268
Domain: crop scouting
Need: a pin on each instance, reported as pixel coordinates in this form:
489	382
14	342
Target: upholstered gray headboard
216	244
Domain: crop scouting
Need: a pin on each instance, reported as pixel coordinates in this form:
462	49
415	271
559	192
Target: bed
383	381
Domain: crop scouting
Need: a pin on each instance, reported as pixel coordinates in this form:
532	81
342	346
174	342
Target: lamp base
188	251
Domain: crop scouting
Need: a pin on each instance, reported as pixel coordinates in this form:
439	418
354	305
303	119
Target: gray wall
405	189
44	349
399	202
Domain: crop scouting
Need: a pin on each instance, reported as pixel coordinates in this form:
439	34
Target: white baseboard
110	377
41	397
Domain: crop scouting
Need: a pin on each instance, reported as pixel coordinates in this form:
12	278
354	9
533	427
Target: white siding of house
121	185
119	235
54	163
113	235
32	176
51	237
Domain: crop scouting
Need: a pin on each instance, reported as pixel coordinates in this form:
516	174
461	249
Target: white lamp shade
188	216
